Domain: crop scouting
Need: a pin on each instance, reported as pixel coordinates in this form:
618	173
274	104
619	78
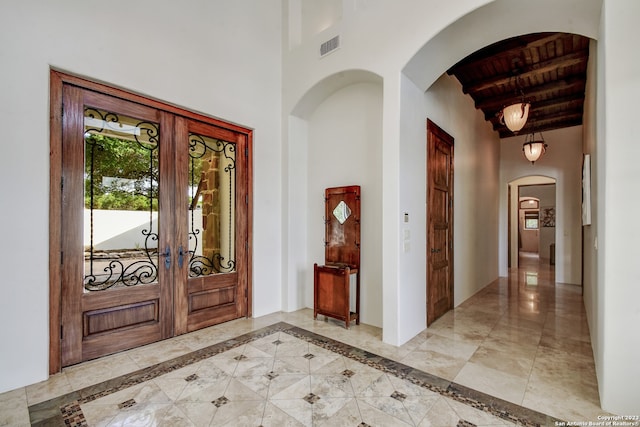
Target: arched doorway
537	237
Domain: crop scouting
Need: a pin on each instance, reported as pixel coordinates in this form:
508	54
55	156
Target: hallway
522	339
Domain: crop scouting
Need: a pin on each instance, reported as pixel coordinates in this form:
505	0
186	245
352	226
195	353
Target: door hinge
61	257
246	151
61	332
246	199
61	184
246	244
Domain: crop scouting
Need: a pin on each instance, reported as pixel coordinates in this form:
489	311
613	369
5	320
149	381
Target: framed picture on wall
586	190
548	216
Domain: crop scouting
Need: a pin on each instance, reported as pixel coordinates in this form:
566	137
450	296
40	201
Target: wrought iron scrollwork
141	268
111	122
139	272
200	265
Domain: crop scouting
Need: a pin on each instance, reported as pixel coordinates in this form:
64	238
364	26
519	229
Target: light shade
533	149
515	116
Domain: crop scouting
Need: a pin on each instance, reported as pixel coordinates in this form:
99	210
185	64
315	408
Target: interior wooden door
212	227
439	222
116	291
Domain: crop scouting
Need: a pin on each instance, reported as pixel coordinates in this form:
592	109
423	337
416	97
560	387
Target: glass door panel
212	183
211	286
120	201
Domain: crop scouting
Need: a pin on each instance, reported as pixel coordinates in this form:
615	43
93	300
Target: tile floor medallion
281	375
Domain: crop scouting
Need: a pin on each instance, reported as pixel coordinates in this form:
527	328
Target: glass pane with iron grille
212	201
121	189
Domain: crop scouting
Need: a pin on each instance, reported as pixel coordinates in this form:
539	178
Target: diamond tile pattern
220	401
348	373
398	396
311	398
261	386
271	375
191	377
472	367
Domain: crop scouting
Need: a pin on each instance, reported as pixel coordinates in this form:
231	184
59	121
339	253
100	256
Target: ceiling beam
576	84
514	48
551	71
544	125
576	58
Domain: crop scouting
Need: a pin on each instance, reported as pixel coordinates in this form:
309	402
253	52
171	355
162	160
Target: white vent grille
329	46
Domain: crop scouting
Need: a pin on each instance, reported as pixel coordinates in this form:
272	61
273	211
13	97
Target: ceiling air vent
329	46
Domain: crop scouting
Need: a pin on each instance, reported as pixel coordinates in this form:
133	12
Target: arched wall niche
325	87
335	139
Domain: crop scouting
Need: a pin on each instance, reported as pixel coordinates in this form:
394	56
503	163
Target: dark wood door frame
58	80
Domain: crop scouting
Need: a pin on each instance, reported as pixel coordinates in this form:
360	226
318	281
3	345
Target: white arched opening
421	77
513	209
335	139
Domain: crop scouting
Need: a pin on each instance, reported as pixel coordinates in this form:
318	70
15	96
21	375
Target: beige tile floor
523	339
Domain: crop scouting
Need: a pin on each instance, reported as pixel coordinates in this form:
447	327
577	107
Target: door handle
435	251
180	256
167	258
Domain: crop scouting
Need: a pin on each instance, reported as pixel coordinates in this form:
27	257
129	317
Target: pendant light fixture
533	148
515	116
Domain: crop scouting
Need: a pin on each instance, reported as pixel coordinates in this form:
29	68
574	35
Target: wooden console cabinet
336	284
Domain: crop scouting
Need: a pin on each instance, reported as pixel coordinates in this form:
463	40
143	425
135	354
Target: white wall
221	58
295	261
119	229
476	168
618	231
563	162
591	285
476	151
345	148
411	291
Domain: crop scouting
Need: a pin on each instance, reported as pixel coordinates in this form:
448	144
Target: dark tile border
65	410
484	402
50	412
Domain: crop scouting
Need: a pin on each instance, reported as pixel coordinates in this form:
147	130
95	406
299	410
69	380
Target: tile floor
517	353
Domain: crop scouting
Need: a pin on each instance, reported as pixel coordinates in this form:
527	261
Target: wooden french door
211	283
154	217
439	222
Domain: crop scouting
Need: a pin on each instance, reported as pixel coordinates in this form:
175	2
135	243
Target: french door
212	285
154	223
